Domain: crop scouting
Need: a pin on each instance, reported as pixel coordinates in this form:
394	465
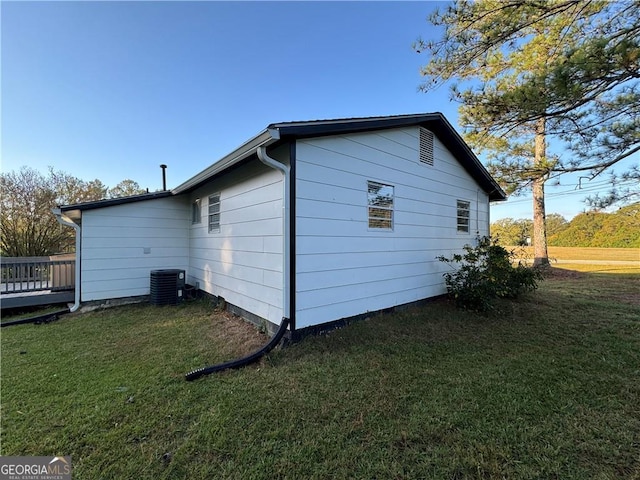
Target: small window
464	213
196	215
426	146
380	201
214	213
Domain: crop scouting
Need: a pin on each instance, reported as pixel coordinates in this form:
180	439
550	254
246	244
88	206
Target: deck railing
31	274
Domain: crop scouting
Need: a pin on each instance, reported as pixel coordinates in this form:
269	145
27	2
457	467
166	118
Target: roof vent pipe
164	177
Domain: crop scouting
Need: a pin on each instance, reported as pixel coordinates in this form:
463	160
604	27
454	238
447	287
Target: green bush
486	272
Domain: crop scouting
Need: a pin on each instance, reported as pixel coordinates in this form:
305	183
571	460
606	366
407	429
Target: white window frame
463	216
377	219
196	212
213	213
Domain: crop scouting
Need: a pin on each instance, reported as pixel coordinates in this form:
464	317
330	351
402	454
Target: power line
580	191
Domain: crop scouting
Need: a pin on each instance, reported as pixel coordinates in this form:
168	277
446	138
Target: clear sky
111	90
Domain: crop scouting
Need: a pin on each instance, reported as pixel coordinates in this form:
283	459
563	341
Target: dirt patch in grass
630	299
220	335
562	274
231	330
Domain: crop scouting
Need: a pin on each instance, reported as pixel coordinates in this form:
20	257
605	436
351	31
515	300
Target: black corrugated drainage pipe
241	362
44	318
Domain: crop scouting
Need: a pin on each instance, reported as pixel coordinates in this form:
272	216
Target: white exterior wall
343	267
243	261
114	241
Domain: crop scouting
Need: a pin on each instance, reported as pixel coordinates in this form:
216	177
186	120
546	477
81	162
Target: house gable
433	122
285	132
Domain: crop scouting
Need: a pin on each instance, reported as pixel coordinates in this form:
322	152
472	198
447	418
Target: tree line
28	228
588	229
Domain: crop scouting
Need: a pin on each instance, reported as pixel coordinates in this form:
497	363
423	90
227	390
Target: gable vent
426	146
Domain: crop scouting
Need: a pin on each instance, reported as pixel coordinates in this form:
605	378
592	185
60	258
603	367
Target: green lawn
546	388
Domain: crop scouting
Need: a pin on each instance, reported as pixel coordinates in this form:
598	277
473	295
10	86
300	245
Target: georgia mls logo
35	468
65	465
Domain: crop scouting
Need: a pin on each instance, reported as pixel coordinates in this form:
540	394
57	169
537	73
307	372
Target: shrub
487	272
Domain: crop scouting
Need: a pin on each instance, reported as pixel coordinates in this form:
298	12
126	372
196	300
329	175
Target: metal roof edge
109	202
496	193
351	125
471	162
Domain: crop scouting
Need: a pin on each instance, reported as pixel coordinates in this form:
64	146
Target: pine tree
528	72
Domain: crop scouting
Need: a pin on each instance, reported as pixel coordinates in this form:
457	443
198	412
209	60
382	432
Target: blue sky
111	90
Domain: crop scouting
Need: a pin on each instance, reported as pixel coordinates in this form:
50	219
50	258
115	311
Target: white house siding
115	239
243	261
344	268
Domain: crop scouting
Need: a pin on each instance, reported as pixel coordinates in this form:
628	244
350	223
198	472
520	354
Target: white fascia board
264	138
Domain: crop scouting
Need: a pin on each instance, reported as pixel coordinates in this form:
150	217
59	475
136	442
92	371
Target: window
214	213
196	215
426	146
464	213
380	201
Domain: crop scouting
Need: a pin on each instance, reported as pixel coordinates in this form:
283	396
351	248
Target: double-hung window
380	204
464	215
214	213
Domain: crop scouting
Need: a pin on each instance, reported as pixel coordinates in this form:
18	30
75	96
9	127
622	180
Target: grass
587	253
598	268
545	388
28	312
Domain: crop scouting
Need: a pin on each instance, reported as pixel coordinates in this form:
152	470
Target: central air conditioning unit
167	287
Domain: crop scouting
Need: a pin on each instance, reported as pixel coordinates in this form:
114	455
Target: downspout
478	214
286	229
66	222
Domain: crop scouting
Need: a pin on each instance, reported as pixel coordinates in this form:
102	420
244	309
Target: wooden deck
35	281
36	298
